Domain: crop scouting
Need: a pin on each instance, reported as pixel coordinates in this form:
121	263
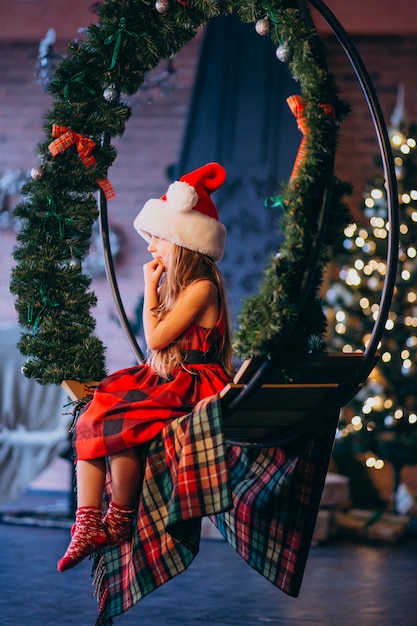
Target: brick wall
152	143
389	61
30	19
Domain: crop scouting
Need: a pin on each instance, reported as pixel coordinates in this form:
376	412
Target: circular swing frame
51	287
348	388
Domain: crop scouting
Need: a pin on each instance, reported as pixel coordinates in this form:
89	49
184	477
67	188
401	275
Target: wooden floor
345	584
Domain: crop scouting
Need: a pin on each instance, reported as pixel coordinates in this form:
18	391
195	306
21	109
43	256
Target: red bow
296	104
85	146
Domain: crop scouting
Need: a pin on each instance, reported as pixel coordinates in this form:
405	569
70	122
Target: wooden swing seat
274	407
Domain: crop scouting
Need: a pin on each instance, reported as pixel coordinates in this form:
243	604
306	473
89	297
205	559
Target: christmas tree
380	424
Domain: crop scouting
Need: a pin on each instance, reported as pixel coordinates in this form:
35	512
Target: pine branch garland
58	211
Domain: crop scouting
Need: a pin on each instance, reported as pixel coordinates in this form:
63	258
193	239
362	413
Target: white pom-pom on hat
186	215
181	196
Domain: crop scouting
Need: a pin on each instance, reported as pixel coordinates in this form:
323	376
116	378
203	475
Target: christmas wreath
59	207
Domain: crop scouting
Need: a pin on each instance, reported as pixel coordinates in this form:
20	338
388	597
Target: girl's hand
152	272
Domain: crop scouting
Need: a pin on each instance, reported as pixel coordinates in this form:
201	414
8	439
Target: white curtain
33	423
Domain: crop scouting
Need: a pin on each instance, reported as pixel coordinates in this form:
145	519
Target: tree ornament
111	93
283	52
162	6
38	172
262	26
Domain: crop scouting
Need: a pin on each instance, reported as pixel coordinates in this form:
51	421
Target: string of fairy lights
353	305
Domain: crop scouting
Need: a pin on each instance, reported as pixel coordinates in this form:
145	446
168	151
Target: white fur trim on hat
194	230
186	215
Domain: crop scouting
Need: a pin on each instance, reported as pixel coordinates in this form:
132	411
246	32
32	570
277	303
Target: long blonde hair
185	267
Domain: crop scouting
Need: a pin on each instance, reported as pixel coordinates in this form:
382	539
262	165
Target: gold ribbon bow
64	138
296	104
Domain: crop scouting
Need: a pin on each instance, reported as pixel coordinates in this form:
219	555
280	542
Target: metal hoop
391	188
348	389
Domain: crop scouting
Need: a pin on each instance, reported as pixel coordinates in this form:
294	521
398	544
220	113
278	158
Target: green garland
59	207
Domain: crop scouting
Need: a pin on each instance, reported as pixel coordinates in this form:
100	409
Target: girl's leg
91	477
125	474
88	533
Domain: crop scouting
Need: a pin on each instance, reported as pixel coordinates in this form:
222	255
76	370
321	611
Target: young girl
186	327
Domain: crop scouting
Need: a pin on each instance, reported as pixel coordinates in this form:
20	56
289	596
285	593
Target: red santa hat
186	214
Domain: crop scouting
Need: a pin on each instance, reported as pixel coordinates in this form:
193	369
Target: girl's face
159	248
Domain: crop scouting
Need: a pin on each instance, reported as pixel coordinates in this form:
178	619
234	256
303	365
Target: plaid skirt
131	406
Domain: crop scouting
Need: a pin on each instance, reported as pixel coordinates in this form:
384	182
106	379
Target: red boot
88	536
118	523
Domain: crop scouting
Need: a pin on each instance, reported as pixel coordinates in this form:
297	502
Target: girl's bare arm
198	303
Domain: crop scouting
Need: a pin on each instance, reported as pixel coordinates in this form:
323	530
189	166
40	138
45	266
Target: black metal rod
350	387
393	239
305	288
347	390
112	280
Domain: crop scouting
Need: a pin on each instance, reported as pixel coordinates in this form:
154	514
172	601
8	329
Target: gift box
324	527
405	501
336	492
371	525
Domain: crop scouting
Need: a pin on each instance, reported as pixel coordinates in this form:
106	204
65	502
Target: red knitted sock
88	536
118	523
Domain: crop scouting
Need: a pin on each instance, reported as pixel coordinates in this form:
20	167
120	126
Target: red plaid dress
131	406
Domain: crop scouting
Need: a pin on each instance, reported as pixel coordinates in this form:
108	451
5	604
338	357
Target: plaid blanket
263	501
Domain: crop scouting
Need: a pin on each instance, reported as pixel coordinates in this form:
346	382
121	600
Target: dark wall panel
239	117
